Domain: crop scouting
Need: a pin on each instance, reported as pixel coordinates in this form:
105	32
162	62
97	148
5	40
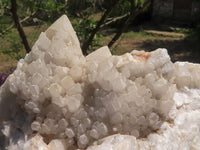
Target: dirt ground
180	46
177	48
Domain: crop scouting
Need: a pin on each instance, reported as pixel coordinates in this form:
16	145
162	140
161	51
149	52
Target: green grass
11	45
140	34
183	30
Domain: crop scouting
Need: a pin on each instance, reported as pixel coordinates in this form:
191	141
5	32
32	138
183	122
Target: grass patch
183	30
140	34
11	45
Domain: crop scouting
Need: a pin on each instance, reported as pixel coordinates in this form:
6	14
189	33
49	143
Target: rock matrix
59	99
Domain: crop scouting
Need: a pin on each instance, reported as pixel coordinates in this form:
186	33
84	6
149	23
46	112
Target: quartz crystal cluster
59	99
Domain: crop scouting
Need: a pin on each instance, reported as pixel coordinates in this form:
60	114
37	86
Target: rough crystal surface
59	99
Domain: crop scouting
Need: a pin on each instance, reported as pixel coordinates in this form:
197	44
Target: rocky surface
59	99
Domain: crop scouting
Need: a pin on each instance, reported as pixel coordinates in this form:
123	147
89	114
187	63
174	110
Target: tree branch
21	21
112	20
127	23
89	41
18	25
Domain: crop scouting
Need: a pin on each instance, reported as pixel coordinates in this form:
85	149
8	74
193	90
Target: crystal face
59	99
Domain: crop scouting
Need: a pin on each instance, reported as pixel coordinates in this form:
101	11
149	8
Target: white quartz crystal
58	99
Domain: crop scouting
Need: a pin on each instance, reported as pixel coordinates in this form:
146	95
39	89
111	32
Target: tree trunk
106	13
18	25
126	24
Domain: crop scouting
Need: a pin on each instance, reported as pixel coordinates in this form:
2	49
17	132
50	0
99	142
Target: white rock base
59	99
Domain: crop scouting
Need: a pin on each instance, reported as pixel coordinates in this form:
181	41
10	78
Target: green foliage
121	8
4	7
47	11
3	27
76	7
126	6
83	28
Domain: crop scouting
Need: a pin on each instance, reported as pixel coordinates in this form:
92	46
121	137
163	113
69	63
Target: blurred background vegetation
124	25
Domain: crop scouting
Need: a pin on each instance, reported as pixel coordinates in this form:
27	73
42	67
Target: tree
136	9
18	25
101	21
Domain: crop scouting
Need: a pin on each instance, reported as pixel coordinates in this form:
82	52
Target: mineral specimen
59	99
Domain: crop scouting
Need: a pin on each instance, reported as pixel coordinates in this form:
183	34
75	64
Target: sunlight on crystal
60	99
